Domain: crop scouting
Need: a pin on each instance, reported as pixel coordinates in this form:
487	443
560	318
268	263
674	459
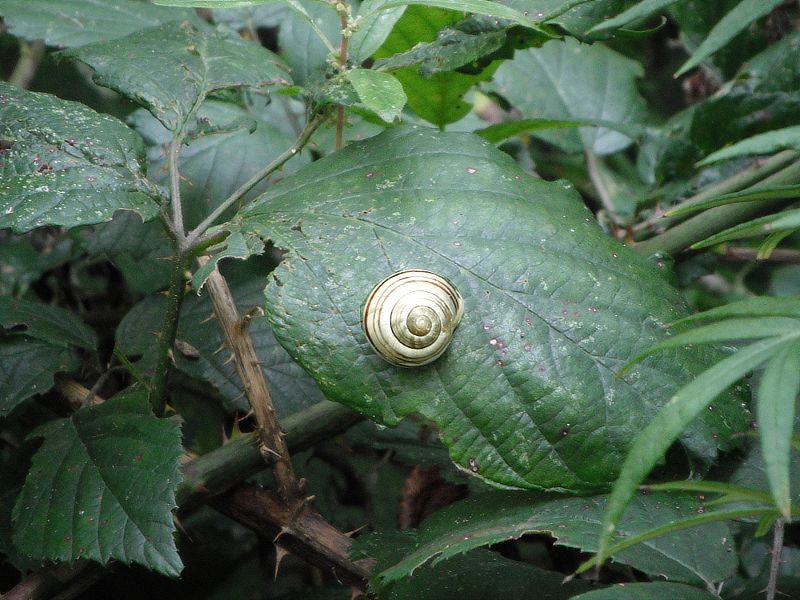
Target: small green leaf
64	164
375	27
495	517
763	143
27	367
723	32
634	13
237	245
45	322
777	393
178	66
102	487
752	195
566	80
657	590
78	22
382	93
654	440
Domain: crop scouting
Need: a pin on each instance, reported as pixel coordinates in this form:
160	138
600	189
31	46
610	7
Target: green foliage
520	323
594	354
101	487
64	164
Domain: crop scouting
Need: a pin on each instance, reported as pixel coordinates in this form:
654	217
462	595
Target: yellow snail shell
409	317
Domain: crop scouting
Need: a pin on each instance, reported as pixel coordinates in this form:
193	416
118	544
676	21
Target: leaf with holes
529	393
64	164
102	487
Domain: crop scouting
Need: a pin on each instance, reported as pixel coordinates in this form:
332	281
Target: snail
409	317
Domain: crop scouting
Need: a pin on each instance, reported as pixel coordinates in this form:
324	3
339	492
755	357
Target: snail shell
409	317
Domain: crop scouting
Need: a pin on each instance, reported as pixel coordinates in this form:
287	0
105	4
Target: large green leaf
52	324
178	65
102	487
647	591
477	575
701	554
27	367
567	80
529	393
64	164
78	22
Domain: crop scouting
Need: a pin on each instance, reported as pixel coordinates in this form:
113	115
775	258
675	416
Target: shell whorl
409	317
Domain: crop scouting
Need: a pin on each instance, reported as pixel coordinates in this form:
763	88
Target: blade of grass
771	193
651	444
775	413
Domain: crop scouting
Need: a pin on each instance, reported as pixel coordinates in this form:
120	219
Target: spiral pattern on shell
409	317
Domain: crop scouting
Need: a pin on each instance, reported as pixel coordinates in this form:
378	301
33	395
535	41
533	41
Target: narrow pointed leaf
634	13
685	406
780	221
723	32
763	143
770	193
777	394
766	306
726	331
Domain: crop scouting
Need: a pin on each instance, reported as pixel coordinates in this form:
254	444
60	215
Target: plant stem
273	444
775	563
193	239
30	56
746	178
166	339
717	219
221	469
306	534
176	219
342	63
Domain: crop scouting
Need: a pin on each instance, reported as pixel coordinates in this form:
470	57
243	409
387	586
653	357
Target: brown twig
30	56
775	561
248	367
48	581
779	255
305	534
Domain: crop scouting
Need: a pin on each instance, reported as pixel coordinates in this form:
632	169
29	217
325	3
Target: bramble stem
166	338
775	562
193	239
